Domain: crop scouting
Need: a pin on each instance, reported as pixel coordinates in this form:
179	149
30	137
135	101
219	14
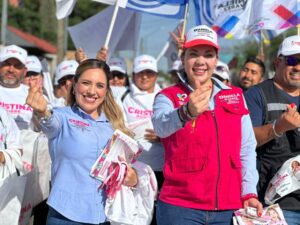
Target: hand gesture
36	99
289	120
199	99
102	54
80	55
177	38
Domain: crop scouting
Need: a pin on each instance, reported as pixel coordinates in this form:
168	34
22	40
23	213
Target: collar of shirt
136	91
76	109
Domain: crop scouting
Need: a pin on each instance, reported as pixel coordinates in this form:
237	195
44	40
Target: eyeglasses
291	61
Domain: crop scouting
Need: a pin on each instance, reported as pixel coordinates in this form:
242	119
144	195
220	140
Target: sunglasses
118	75
64	80
32	74
221	69
291	61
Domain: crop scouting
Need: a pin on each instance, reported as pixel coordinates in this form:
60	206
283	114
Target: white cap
222	70
144	62
117	64
289	46
33	64
67	67
201	35
13	51
177	64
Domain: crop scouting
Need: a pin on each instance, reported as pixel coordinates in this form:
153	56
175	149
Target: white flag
64	8
91	33
275	15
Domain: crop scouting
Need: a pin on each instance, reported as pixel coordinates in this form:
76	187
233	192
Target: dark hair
257	61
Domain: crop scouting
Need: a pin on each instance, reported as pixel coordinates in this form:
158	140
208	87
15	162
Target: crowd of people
213	145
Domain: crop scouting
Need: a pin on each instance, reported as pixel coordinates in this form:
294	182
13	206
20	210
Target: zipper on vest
219	161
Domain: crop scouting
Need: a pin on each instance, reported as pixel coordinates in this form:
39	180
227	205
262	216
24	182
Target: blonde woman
77	134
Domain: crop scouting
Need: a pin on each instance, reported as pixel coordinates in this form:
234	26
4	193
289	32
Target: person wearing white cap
205	127
222	72
118	72
34	71
274	109
137	107
64	74
12	92
118	80
177	65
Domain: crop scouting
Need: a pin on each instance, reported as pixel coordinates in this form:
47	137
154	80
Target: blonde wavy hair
109	105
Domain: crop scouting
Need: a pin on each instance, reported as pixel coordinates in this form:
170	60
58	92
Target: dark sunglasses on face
291	61
32	74
118	75
221	68
64	80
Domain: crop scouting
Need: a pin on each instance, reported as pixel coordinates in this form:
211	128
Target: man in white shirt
13	93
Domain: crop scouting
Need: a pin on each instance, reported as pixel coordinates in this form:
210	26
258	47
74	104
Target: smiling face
287	77
145	80
90	91
199	63
12	72
250	75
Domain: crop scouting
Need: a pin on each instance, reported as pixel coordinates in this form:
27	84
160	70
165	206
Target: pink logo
79	123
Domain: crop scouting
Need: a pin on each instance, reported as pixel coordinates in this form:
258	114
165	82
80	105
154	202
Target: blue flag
174	1
156	7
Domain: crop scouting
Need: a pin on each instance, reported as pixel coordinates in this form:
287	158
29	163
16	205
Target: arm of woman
249	171
165	118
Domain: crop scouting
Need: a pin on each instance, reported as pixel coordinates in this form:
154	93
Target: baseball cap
33	64
201	35
222	70
117	64
13	51
177	64
144	62
67	67
289	46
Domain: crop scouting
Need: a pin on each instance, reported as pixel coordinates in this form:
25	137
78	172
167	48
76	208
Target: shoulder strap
125	94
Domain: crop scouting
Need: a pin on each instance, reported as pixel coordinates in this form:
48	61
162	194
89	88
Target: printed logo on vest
230	98
181	98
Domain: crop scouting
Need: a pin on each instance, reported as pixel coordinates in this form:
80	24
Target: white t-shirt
13	101
9	132
138	106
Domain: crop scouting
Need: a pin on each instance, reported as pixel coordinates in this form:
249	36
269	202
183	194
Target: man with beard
12	92
273	106
251	73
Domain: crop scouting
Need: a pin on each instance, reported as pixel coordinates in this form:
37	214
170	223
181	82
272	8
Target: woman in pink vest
204	125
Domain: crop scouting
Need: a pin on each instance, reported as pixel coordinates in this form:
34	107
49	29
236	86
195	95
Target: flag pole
112	23
183	26
261	54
